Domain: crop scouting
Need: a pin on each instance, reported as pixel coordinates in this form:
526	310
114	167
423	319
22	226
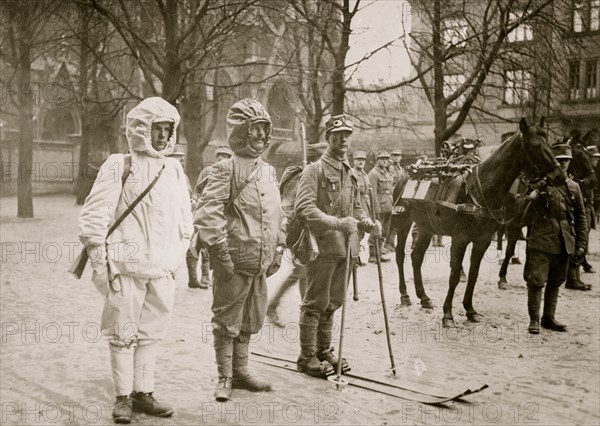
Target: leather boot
191	262
123	410
205	281
534	300
307	361
241	377
550	302
324	334
144	402
573	279
224	352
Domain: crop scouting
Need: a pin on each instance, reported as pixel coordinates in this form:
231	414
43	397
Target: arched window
58	123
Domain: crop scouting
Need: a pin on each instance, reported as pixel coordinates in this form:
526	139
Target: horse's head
538	160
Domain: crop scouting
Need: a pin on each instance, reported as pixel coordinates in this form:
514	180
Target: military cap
178	150
223	150
562	151
382	154
397	152
359	154
593	151
338	123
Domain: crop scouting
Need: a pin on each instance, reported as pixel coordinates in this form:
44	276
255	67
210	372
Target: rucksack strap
138	199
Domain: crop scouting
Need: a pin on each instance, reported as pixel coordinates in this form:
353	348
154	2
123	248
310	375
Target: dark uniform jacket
397	173
364	184
582	172
323	195
556	220
382	183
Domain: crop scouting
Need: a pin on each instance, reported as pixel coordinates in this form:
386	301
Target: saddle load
434	187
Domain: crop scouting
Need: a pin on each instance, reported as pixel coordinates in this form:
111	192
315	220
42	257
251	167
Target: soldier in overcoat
555	217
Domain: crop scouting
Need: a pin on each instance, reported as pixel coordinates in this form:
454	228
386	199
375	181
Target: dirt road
55	368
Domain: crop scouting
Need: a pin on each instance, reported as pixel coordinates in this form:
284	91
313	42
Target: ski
372	384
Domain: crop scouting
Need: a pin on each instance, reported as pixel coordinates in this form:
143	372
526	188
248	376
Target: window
518	86
521	33
451	84
591	79
574	92
577	16
455	33
586	15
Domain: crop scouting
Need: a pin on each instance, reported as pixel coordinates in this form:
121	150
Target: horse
485	188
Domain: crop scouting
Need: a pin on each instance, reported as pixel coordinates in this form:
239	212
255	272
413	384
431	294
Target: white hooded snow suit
134	266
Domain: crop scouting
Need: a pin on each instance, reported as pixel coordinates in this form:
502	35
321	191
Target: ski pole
380	274
354	284
338	380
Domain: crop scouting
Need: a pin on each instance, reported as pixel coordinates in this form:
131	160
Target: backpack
287	190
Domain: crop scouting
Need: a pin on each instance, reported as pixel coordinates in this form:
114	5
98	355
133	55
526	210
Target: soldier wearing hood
133	267
239	218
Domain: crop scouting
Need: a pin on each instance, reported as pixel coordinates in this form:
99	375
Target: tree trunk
25	172
171	81
191	115
439	107
83	186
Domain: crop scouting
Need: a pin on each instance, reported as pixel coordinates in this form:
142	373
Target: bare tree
466	36
23	34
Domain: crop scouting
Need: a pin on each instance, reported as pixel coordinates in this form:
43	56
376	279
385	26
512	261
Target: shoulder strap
136	201
242	185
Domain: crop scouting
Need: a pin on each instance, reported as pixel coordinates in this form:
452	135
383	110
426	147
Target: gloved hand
366	225
220	261
377	230
276	264
579	252
348	225
98	262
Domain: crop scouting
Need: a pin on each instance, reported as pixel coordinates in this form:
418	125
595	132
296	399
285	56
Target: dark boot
550	302
191	262
205	281
324	335
307	361
573	279
145	403
123	411
587	268
534	300
224	352
241	377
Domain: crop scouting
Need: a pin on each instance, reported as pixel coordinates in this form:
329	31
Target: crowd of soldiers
236	224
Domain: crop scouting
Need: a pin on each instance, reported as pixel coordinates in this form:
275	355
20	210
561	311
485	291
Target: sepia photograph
300	212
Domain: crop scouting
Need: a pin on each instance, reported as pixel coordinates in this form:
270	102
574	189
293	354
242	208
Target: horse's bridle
502	209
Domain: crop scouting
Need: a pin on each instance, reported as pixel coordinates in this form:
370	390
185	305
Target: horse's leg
479	248
402	225
457	253
512	235
500	236
417	256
